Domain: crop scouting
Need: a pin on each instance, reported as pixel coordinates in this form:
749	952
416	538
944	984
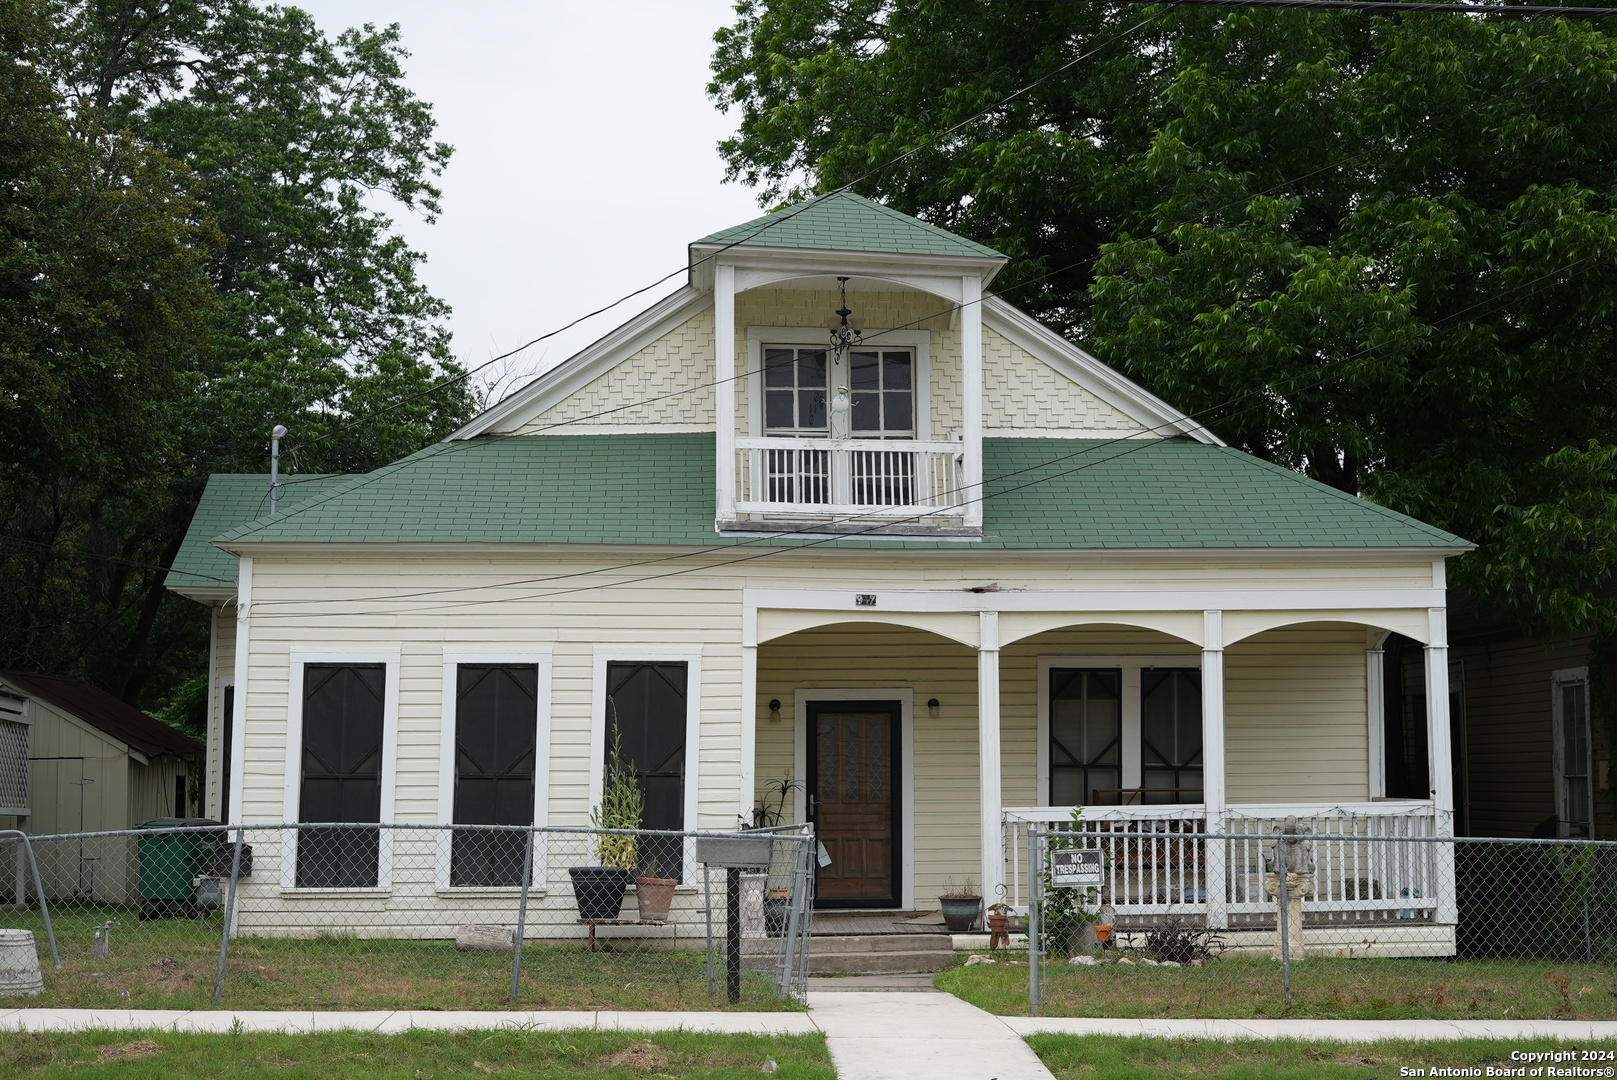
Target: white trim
238	717
297	659
990	784
210	758
579	370
1129	741
973	382
452	660
1124	395
905	696
943	286
694	691
1558	679
1344	600
759	336
1375	684
724	391
818	262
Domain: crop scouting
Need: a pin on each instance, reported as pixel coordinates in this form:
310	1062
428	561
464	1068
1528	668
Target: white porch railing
1157	865
824	476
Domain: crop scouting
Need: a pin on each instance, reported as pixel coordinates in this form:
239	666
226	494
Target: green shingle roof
227	501
658	489
843	221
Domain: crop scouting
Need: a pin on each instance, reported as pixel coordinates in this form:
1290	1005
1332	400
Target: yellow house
831	526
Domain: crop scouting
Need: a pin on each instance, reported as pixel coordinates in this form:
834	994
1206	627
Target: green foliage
1065	912
622	806
195	244
1378	250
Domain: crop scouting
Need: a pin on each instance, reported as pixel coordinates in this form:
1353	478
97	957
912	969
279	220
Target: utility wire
19	542
1137	445
1371	5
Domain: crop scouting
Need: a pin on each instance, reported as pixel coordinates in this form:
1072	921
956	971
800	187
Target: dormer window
801	386
796	390
883	386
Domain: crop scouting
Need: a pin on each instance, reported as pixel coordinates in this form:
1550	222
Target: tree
281	151
1377	249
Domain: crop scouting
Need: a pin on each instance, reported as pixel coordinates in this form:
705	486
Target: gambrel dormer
850	363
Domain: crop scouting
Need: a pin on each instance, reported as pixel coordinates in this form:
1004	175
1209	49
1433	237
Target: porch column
749	713
724	390
1375	684
988	783
1440	755
971	378
1213	797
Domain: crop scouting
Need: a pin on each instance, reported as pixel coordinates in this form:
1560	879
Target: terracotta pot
655	896
1103	934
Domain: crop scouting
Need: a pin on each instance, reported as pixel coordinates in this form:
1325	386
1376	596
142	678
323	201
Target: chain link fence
1146	920
343	916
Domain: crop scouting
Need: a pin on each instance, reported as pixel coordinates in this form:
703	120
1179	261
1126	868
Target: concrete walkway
872	1034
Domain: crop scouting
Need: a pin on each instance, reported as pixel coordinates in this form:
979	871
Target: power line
1138	444
1370	5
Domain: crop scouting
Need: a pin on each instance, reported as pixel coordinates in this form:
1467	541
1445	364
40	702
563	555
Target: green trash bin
169	863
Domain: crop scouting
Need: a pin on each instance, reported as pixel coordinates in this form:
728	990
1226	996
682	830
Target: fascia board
831	261
210	594
586	365
1121	393
483	552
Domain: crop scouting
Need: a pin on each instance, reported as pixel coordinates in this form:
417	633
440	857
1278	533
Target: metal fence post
1034	945
522	918
26	847
229	919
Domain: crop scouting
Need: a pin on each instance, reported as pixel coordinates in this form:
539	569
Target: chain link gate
400	916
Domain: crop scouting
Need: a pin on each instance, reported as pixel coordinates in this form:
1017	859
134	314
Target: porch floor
864	923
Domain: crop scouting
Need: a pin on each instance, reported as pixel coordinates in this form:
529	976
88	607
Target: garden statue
1295	859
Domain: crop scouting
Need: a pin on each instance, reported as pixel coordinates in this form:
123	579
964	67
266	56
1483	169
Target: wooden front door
853	781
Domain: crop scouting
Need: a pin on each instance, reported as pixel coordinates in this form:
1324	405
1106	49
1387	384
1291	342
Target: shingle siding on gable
1024	396
670	378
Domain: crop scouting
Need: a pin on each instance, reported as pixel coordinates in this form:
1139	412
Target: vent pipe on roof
276	436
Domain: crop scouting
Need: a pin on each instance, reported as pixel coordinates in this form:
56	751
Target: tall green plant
622	806
1064	911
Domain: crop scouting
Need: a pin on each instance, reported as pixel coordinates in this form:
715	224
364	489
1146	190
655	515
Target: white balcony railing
857	477
1157	865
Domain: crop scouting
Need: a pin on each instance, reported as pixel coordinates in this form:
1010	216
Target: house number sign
1075	869
864	599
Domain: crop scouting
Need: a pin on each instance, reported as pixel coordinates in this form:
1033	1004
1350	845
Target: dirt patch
642	1056
131	1051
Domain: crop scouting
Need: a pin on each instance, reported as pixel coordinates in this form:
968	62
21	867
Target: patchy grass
122	1055
1073	1057
171	964
1322	987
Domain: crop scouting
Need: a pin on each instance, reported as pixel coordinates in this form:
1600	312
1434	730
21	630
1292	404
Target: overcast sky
584	160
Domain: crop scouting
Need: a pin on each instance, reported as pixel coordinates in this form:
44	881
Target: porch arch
959	626
1412	623
1184	626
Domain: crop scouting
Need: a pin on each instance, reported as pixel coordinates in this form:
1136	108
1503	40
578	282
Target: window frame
1131	748
452	660
297	660
692	659
917	341
1558	681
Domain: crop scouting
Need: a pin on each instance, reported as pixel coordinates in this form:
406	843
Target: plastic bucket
19	963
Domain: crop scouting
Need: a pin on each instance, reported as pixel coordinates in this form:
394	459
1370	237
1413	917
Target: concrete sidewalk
1322	1030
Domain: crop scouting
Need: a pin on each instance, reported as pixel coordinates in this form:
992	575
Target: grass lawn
170	964
1073	1057
416	1055
1322	987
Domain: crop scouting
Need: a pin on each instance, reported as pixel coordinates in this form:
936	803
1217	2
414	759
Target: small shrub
1177	943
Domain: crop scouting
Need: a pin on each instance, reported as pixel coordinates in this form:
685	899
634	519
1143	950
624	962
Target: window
646	711
1574	802
882	383
798	381
342	724
1121	730
14	722
496	729
795	391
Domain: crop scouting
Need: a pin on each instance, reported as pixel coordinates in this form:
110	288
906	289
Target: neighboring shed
94	764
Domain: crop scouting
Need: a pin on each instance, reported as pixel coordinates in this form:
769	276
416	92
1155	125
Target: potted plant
998	918
771	811
599	889
653	892
961	904
777	909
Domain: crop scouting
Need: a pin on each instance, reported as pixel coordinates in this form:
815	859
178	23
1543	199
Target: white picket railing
1157	865
824	476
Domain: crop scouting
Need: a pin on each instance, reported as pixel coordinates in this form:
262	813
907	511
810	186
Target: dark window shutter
342	774
646	710
496	709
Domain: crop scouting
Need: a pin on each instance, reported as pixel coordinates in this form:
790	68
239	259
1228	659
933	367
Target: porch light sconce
932	707
774	710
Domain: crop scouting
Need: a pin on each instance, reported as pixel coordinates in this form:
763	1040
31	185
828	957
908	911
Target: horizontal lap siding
1509	732
1296	719
224	672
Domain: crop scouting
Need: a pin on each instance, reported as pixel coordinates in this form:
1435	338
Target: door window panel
646	711
342	774
496	728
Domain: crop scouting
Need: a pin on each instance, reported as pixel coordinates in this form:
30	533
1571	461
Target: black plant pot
599	890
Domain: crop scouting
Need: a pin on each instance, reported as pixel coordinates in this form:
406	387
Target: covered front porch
925	733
